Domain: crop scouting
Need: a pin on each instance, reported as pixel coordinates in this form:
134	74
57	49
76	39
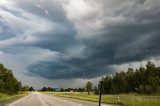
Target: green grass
84	96
6	97
136	94
140	102
110	99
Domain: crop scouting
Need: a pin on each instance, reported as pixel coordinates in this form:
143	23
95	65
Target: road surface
38	99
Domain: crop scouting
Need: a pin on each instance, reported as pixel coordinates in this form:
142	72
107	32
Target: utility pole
100	94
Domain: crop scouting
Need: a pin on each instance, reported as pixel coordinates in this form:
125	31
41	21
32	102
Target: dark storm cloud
56	70
50	9
134	38
60	35
5	31
60	39
91	36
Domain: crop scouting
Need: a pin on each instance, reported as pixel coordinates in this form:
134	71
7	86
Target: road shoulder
7	102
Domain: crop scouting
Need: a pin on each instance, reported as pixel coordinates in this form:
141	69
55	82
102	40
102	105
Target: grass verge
109	99
6	97
140	101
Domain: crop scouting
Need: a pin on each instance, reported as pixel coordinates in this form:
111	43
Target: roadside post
100	94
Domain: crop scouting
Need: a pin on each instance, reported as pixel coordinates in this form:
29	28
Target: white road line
70	102
63	100
19	100
40	99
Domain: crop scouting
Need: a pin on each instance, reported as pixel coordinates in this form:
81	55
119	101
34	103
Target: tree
31	89
142	80
25	88
7	81
96	90
89	87
49	89
44	89
81	89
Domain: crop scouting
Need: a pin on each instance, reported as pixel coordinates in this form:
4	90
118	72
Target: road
38	99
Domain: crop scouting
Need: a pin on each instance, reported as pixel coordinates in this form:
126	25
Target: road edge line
19	100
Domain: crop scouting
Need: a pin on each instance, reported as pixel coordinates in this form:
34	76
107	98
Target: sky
65	43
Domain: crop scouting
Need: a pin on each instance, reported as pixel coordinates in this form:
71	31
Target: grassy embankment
110	99
6	97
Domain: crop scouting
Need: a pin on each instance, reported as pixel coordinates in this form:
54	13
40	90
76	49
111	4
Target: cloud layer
82	38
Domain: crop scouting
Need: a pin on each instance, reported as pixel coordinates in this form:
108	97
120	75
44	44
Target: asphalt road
38	99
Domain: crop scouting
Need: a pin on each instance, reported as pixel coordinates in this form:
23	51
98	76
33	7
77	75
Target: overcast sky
68	42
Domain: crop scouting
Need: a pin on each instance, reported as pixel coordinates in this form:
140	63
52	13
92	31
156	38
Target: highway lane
38	99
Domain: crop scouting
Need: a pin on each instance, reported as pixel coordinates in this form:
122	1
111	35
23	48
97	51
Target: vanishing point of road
38	99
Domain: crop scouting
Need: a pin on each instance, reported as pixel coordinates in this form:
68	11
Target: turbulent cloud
88	36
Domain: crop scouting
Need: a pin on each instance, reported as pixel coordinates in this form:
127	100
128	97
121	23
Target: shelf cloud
79	38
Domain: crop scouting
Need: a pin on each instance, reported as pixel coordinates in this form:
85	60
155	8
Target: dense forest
143	80
8	83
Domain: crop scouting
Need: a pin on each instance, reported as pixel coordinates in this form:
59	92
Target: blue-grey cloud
57	70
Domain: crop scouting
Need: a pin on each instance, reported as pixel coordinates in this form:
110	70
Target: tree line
142	80
44	89
7	80
9	83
